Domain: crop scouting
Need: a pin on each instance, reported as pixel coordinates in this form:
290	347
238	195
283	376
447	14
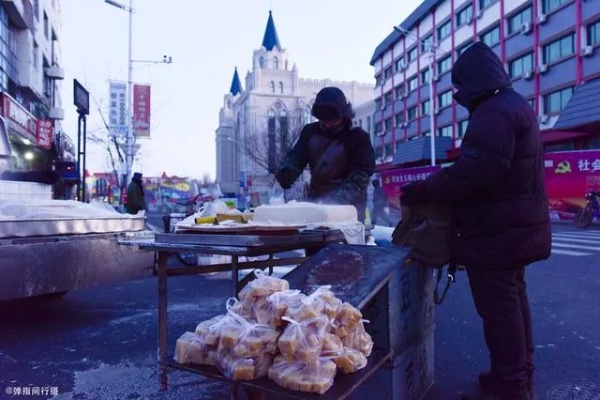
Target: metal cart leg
234	274
270	266
163	257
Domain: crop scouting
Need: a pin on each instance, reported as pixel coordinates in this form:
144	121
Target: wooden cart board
242	229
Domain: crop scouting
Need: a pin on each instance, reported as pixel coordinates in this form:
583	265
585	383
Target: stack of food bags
299	341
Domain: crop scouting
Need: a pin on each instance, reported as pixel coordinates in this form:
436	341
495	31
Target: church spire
236	84
271	40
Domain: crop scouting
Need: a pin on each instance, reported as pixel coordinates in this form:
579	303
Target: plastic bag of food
261	287
275	306
244	338
359	339
243	368
331	344
346	320
350	360
189	350
303	340
209	331
314	376
321	301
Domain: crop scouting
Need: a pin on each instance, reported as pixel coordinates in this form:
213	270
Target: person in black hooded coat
497	190
341	157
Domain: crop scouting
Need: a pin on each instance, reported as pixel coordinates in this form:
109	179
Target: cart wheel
188	259
583	218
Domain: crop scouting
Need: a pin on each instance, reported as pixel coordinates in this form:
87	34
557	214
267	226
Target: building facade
260	121
30	75
549	47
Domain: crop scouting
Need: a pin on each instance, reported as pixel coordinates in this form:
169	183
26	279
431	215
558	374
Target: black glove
414	193
285	177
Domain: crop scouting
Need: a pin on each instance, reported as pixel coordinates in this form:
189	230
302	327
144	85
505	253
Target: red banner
19	119
569	175
44	133
393	180
141	110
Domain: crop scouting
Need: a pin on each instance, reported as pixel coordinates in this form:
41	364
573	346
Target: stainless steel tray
68	226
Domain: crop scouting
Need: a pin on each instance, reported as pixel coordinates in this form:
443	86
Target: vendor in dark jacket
340	157
501	214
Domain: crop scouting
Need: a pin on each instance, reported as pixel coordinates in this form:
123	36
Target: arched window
272	87
271	114
283	113
280	87
261	62
275	63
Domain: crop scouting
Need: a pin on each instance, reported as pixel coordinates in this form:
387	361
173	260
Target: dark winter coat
341	165
497	184
135	197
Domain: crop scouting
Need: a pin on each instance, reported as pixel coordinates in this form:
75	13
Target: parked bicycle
191	207
586	215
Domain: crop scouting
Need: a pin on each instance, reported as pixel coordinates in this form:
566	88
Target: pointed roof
271	39
236	84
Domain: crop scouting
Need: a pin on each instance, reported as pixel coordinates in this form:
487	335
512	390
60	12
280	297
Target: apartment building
549	48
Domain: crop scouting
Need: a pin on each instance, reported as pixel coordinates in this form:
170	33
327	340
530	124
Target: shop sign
20	120
44	133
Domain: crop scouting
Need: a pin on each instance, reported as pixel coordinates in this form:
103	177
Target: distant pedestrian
379	204
501	216
135	195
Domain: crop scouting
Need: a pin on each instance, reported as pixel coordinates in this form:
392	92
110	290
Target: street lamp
432	49
129	136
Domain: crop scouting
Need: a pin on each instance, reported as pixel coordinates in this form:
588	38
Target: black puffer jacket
497	184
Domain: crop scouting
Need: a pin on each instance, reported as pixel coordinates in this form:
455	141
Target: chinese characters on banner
44	133
393	180
141	110
569	176
117	108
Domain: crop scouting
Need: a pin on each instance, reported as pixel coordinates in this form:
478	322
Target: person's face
332	125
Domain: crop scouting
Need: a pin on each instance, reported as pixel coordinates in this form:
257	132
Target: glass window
378	103
492	37
387	73
462	128
412	113
485	3
388	124
464	16
560	48
593	34
550	5
425	106
399	91
425	76
413	53
426	43
556	101
378	80
399	118
443	31
445	131
388	98
399	64
445	99
516	21
445	65
413	83
519	66
378	127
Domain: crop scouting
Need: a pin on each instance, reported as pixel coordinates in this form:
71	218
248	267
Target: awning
581	112
420	149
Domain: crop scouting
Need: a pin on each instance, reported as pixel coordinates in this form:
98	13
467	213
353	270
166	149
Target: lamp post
432	50
243	166
129	136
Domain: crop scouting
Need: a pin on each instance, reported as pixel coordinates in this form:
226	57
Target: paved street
101	343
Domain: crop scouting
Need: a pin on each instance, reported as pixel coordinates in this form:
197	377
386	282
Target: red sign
393	180
44	133
141	110
569	175
20	120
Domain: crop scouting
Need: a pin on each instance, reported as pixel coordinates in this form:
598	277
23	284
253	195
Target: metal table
371	279
232	245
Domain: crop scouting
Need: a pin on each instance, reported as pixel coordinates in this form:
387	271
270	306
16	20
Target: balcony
55	72
20	13
56	113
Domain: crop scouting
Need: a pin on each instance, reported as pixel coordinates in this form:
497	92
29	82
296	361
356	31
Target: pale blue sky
207	39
